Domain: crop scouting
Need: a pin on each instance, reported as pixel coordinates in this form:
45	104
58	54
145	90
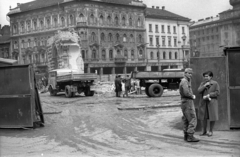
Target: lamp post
159	67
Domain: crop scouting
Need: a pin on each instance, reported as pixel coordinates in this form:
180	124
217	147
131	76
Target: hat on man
188	70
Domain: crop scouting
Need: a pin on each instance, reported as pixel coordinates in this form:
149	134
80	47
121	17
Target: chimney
157	7
153	7
163	7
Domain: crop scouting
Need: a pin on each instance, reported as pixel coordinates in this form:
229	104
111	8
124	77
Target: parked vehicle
67	67
156	82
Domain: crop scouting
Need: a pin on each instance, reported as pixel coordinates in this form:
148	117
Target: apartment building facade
167	35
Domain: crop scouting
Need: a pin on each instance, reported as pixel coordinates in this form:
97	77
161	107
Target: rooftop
162	13
46	3
206	21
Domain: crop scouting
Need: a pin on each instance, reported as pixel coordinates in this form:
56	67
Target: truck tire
155	90
68	92
146	91
52	91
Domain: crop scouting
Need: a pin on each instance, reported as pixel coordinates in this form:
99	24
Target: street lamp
158	54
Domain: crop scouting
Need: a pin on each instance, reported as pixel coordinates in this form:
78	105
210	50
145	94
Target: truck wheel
52	91
147	92
91	93
68	92
155	90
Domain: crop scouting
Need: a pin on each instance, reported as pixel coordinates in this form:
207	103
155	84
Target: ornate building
209	36
4	41
167	36
112	32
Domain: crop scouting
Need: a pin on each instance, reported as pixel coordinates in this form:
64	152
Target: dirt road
103	125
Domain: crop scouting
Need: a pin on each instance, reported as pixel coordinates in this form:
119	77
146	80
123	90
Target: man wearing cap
189	114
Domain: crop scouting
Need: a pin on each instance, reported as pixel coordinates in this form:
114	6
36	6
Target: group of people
127	85
208	90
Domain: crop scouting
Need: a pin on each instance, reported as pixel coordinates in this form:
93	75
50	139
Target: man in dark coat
189	114
118	86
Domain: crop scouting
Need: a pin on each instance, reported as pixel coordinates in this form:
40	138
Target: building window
151	41
124	38
151	55
28	26
103	54
55	22
48	23
170	55
111	54
123	21
116	21
94	54
62	21
163	41
117	37
157	41
43	57
109	20
164	55
110	37
101	20
140	39
169	41
175	42
150	27
102	37
176	56
169	30
174	29
131	38
29	43
163	31
183	30
156	28
91	19
22	27
130	21
132	54
158	55
126	54
14	29
71	20
140	54
139	22
93	37
22	44
41	24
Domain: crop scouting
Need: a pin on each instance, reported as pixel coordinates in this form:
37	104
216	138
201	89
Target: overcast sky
193	9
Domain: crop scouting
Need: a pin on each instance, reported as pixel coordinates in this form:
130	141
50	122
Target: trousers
189	117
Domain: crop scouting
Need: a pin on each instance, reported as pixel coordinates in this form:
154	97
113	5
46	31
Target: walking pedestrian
188	109
208	106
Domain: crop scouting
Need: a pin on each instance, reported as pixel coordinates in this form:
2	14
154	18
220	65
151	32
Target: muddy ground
104	125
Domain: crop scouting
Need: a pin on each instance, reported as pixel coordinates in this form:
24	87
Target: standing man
189	114
118	86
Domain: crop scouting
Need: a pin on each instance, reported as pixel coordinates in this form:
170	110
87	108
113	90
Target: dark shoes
185	136
191	138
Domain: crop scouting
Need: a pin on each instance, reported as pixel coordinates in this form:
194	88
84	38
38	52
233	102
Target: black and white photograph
119	78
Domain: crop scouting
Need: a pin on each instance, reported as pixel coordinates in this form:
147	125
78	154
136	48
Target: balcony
81	24
120	59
